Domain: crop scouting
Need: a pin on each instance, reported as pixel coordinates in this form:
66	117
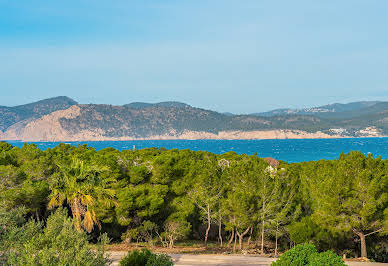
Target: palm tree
80	185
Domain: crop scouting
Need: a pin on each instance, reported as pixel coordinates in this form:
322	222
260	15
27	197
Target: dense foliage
145	257
162	196
25	242
307	255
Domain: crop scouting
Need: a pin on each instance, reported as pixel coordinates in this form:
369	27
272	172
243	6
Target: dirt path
224	260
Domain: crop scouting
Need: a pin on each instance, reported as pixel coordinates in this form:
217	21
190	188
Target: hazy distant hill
140	105
367	108
12	115
351	116
66	120
336	110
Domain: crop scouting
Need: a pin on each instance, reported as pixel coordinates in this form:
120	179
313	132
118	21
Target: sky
239	56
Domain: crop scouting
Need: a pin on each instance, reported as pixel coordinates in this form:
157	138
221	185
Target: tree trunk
171	243
231	238
362	236
263	226
235	240
37	215
276	241
75	210
363	244
208	224
250	236
262	237
241	237
220	231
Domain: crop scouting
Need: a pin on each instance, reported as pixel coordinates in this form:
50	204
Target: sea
289	150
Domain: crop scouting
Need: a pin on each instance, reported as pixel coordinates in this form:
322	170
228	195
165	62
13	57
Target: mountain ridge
10	115
63	119
322	110
142	105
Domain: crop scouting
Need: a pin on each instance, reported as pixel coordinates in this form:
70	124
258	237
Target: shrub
59	243
136	258
130	234
160	260
326	258
307	255
145	257
298	255
145	232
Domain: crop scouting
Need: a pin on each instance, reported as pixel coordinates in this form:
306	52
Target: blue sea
290	150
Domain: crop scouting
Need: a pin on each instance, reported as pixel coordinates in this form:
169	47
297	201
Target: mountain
12	115
336	110
228	114
141	105
62	119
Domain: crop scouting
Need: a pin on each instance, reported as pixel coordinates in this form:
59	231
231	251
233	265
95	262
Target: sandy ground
224	260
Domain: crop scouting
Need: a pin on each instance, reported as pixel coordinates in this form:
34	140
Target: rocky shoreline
87	135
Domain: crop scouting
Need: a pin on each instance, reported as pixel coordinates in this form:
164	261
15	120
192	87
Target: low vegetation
57	242
160	197
145	257
308	255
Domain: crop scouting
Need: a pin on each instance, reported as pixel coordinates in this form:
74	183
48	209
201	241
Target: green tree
175	230
351	195
5	155
206	189
80	185
24	181
241	201
285	204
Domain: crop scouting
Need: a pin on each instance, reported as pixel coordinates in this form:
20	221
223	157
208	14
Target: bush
298	255
59	243
326	258
136	258
160	260
307	255
145	257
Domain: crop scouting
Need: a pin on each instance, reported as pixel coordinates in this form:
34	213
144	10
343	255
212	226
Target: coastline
187	135
51	128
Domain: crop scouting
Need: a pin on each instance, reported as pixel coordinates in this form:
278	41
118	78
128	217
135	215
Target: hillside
61	119
141	105
12	115
336	110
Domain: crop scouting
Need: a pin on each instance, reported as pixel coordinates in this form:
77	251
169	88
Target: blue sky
240	56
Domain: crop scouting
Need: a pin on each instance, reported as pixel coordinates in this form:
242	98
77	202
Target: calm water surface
290	150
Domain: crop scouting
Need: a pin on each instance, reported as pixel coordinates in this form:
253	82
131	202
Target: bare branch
374	232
